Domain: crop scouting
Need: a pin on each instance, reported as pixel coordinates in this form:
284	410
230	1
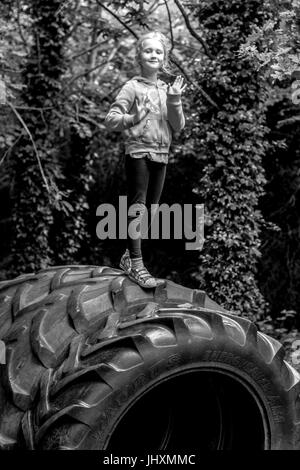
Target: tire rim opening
195	410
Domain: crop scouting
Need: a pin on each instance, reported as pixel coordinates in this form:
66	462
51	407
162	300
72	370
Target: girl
147	111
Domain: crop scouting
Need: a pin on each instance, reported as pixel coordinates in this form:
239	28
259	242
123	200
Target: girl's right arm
118	117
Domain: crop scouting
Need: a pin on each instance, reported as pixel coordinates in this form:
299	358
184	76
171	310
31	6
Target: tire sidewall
221	355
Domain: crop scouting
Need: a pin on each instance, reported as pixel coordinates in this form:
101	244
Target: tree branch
153	7
32	108
20	28
11	147
86	51
191	30
197	87
170	23
86	72
118	19
180	67
111	56
156	5
75	24
101	127
73	29
288	121
33	144
92	57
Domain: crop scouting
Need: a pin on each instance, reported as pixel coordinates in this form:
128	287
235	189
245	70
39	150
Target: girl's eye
148	51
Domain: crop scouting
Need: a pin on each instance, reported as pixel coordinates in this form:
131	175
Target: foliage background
61	65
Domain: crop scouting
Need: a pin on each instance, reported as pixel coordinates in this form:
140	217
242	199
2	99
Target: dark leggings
145	181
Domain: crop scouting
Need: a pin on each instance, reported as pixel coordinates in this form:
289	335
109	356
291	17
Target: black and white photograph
150	230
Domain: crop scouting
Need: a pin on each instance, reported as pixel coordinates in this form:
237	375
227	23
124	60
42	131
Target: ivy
274	45
233	140
33	196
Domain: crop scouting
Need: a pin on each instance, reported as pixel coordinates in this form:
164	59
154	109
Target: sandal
142	277
125	262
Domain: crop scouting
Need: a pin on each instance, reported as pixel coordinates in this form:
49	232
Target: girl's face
152	55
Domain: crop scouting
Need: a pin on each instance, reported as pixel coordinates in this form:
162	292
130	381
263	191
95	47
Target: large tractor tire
93	361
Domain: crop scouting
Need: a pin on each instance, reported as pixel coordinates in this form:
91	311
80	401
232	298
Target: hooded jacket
154	132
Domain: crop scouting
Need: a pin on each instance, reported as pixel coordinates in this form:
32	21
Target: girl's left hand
177	88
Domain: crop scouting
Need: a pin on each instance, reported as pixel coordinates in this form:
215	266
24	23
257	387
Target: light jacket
154	132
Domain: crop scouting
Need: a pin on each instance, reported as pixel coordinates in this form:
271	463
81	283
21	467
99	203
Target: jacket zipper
161	120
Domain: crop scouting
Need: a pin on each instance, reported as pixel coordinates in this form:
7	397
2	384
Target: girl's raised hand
177	88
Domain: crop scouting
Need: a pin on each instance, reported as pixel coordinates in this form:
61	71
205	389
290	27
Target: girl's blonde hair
166	67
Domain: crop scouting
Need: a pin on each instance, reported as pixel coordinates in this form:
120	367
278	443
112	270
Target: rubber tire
91	358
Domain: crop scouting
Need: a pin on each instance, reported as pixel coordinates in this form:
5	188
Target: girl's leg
155	187
137	175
